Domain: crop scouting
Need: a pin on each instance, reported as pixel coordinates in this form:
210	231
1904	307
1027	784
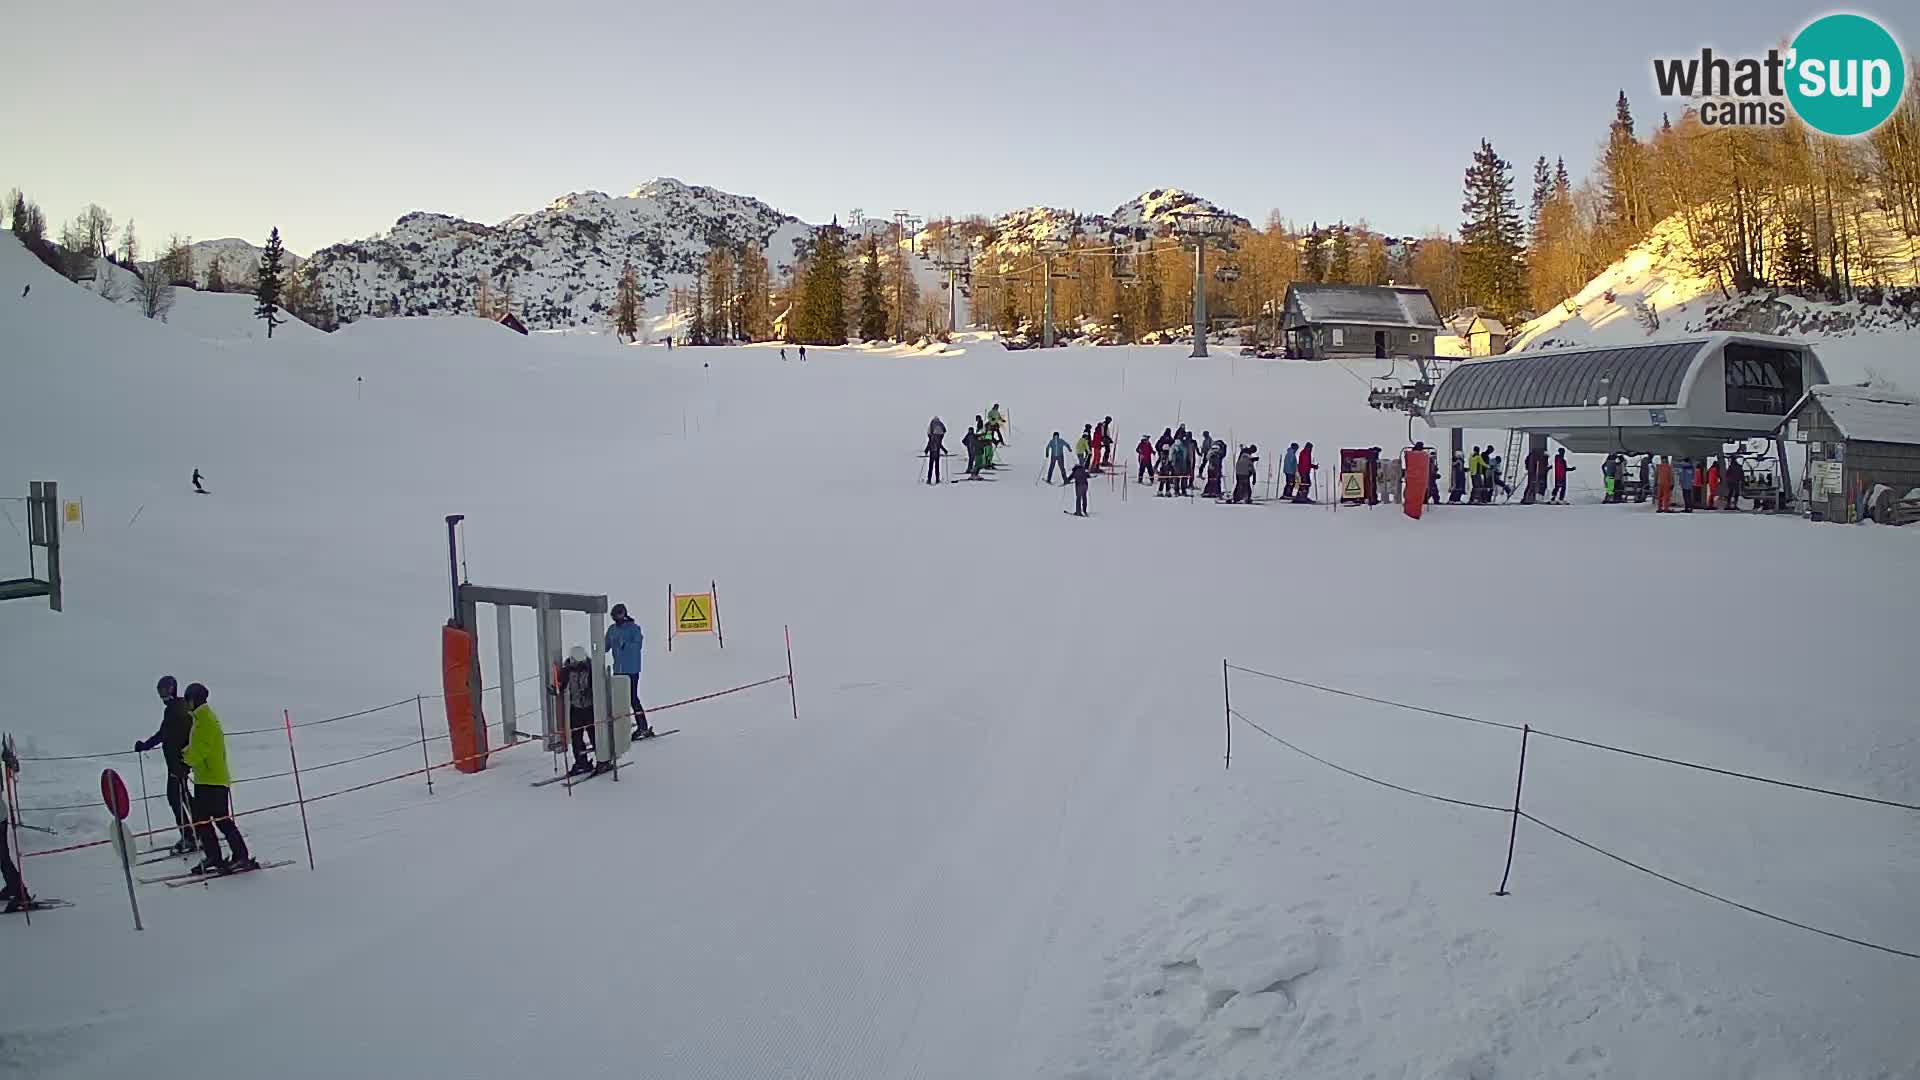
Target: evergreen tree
1313	255
1623	180
20	216
1799	266
1490	236
821	318
1542	190
1339	248
268	291
1560	180
756	319
626	305
873	308
216	277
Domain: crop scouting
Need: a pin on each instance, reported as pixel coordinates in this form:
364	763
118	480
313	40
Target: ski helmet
577	654
196	694
167	686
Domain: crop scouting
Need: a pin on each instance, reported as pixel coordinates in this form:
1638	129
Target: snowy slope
999	842
1653	291
562	263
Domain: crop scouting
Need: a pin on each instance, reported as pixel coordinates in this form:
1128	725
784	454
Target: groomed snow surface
1000	841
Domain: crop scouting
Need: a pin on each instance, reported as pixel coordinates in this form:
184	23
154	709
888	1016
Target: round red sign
113	792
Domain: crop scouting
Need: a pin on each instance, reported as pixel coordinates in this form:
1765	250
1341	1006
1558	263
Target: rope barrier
1541	733
719	693
1597	849
1750	909
1363	776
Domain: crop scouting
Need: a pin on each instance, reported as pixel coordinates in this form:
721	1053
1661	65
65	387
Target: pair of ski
174	881
43	903
583	777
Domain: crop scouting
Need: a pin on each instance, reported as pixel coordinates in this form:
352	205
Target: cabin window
1762	380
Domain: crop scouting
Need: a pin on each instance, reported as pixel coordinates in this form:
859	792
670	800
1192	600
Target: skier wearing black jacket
176	725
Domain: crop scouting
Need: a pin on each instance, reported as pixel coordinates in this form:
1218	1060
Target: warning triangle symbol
692	612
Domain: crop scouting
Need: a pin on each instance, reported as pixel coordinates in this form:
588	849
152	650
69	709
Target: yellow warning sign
1353	486
693	613
73	513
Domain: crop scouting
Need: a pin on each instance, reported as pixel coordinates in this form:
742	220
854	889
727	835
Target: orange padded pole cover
465	728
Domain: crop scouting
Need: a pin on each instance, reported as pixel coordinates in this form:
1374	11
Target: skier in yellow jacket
206	755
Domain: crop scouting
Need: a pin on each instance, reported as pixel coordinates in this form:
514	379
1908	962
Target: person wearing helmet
1057	458
206	755
576	691
176	727
996	425
624	642
1106	442
1244	469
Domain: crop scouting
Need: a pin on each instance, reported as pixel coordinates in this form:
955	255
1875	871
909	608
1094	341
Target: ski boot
17	904
581	767
210	867
241	866
184	846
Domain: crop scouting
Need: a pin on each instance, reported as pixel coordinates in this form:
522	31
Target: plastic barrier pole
299	794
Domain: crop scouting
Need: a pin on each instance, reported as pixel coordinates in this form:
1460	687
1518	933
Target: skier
1609	476
1165	440
1496	476
996	424
1640	495
1685	473
176	727
1663	487
25	291
1098	444
970	442
783	355
1243	472
983	444
803	350
936	448
1164	466
1303	488
1144	452
15	892
1736	480
1057	458
1182	465
1206	446
624	642
1457	478
1560	471
1079	478
1433	473
1713	485
1290	467
206	755
1216	468
1083	446
1476	475
1106	441
196	483
576	688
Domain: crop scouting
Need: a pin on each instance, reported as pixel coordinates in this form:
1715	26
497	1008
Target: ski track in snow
1000	842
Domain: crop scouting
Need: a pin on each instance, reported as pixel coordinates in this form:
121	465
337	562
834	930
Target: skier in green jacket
206	755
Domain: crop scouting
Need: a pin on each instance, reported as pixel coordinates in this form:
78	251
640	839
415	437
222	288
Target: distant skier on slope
936	447
1216	468
803	354
1083	446
196	483
1244	469
1057	458
1560	471
1303	490
970	442
625	640
206	755
1079	478
176	727
1144	452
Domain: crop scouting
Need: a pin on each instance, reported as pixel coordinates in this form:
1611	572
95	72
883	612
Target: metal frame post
503	624
602	719
1199	297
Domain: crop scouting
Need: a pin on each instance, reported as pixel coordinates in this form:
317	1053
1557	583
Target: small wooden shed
1859	440
1486	336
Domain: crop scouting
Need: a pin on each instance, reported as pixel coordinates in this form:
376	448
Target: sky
330	121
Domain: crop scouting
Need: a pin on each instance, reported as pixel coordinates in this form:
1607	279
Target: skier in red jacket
1305	467
1145	453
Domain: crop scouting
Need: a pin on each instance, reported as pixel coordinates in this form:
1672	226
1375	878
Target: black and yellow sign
693	613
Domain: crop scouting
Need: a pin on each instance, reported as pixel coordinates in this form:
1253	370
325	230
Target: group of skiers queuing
980	441
195	747
1176	459
573	682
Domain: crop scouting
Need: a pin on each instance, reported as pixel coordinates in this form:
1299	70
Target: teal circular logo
1847	75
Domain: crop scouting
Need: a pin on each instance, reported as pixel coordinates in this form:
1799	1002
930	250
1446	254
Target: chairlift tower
1198	227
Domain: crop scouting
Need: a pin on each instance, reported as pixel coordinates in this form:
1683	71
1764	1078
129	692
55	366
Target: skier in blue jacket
1290	465
624	642
1057	457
